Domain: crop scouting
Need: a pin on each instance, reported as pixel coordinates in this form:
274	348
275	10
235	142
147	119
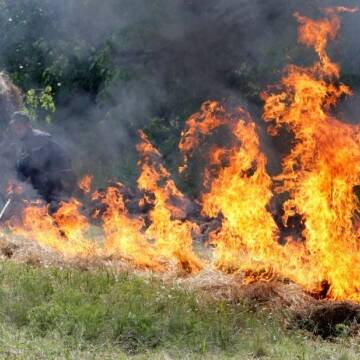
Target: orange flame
167	240
319	175
317	181
124	235
241	190
63	232
173	237
323	167
85	184
200	124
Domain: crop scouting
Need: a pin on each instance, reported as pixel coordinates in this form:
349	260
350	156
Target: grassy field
52	313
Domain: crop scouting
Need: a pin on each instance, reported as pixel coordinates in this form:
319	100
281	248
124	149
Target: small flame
63	232
14	187
85	184
200	124
124	236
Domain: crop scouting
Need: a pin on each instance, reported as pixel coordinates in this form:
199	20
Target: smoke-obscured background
115	66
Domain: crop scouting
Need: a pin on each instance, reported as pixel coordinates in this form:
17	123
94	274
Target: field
68	313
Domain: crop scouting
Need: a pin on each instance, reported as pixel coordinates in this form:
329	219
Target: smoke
158	60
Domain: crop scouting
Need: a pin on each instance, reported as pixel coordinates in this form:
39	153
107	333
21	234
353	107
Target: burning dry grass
250	264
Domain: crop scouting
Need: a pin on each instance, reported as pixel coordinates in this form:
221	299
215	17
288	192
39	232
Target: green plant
40	104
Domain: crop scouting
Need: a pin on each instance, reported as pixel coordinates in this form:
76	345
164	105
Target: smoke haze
161	60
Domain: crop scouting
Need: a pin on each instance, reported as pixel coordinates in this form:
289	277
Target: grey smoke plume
187	52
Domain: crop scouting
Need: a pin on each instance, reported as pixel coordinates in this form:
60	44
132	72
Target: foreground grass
71	314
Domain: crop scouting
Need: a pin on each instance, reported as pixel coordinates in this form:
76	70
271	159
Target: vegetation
73	314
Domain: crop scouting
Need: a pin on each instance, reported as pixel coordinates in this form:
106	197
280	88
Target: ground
69	313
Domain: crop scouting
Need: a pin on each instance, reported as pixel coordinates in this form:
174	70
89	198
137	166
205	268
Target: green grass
71	314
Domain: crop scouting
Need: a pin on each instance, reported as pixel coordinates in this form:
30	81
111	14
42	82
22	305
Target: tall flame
318	176
317	181
240	192
323	167
173	236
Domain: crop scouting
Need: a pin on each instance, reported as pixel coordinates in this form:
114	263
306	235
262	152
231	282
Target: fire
124	236
318	177
173	237
315	190
63	232
240	192
202	123
167	240
323	167
85	184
